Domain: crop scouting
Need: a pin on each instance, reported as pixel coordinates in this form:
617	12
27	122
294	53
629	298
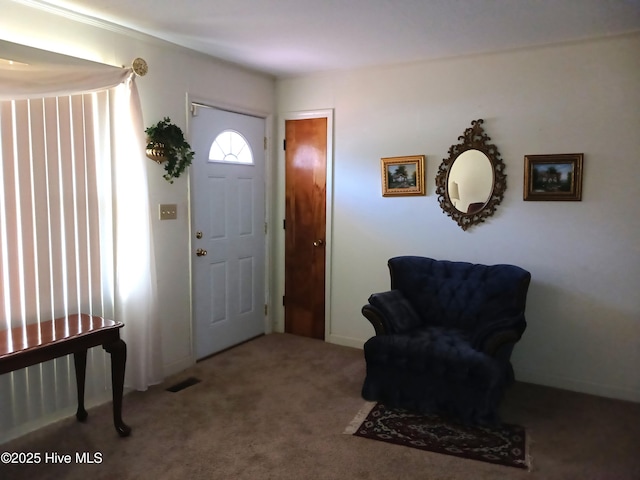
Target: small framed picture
403	176
553	177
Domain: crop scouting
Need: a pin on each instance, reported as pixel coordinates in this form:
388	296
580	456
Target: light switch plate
168	211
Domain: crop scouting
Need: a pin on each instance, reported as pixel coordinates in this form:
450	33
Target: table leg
118	351
80	361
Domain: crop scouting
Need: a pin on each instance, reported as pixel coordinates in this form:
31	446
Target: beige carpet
276	408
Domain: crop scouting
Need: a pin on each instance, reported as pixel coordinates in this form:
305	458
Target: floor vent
184	384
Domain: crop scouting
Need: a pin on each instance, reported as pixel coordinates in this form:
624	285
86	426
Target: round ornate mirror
471	182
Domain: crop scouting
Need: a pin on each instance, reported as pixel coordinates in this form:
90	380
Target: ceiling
297	37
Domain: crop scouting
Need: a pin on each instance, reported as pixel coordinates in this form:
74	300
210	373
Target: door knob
201	252
318	243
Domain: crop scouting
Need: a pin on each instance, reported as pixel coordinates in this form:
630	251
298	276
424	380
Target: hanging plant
166	143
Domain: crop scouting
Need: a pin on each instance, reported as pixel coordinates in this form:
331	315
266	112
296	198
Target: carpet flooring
276	408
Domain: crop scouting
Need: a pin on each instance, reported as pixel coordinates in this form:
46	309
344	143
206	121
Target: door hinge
265	228
284	224
283	302
284	144
265	143
266	309
194	110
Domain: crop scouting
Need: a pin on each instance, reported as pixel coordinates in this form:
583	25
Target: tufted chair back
460	295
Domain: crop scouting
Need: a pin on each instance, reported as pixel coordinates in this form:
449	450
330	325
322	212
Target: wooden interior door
305	226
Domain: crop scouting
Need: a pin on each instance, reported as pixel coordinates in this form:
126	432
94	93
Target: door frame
279	211
269	195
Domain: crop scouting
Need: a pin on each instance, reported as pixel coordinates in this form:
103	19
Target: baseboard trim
582	386
53	417
178	366
535	377
345	341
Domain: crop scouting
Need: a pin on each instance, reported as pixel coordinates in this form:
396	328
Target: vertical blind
56	240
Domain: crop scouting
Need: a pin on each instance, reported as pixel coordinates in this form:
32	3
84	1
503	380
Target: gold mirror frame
474	138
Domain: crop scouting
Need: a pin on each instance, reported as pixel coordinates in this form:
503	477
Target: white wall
583	305
173	74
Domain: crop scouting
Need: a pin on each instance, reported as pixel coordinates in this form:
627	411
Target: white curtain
120	137
136	293
32	81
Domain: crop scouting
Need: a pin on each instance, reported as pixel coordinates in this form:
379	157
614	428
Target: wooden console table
36	343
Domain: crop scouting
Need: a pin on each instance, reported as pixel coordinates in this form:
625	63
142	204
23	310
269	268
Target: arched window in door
230	147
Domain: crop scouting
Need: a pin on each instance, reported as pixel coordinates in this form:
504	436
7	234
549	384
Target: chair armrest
492	343
377	319
390	312
491	338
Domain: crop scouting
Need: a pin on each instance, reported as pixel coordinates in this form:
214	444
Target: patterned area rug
503	445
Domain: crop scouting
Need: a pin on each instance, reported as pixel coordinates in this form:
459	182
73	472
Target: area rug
503	445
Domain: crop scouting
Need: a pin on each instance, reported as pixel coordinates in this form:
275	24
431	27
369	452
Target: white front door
228	218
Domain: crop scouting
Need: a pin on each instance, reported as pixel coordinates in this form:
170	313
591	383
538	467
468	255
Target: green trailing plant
176	153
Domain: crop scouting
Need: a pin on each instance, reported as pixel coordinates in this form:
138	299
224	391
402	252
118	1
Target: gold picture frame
403	176
553	177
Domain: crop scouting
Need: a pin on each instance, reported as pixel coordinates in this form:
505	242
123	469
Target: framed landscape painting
553	177
403	176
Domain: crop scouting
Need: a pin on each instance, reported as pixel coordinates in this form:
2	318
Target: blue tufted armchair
444	336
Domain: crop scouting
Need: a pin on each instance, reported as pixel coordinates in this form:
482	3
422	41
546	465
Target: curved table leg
80	361
118	351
